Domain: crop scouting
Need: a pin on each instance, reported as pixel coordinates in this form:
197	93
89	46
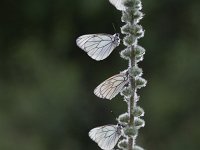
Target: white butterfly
118	4
112	86
106	136
98	46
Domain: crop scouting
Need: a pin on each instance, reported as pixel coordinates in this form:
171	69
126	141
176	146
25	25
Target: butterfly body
116	39
98	46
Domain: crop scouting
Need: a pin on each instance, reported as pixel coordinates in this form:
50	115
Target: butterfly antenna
114	27
114	115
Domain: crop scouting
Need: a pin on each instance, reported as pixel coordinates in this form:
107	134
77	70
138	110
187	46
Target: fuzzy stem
133	53
132	101
131	105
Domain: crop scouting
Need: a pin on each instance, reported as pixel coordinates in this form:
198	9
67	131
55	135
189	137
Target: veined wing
112	86
98	46
106	136
118	4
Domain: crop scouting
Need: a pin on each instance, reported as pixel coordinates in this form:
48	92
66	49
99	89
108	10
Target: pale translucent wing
118	4
112	86
105	136
97	46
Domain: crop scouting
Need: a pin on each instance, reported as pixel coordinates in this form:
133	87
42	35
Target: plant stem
133	53
132	100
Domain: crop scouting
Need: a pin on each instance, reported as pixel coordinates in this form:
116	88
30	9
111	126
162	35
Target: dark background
47	82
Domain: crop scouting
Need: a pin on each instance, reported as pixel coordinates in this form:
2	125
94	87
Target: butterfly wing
112	86
97	46
118	4
105	136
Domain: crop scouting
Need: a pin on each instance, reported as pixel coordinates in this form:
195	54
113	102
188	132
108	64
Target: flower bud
130	131
130	40
126	53
139	122
140	82
123	144
138	111
126	92
135	71
123	118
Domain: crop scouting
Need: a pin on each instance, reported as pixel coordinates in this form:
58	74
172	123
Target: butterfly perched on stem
106	136
98	46
112	86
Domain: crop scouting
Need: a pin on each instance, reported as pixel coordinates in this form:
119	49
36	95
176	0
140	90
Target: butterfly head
116	38
120	125
119	128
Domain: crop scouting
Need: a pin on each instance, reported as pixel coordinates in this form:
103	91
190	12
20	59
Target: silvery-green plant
127	82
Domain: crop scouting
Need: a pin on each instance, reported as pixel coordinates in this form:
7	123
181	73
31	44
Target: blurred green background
47	82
